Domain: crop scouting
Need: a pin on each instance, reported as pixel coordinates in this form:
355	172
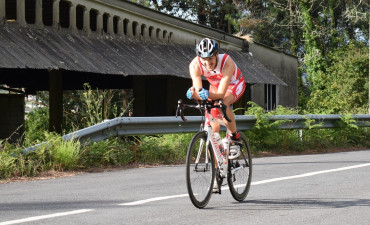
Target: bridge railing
128	126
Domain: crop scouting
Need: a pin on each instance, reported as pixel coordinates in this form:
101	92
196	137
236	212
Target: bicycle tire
200	176
239	182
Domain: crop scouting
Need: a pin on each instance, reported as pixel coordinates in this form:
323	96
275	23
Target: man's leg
228	101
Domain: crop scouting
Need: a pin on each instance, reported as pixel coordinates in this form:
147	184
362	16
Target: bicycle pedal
216	190
219	190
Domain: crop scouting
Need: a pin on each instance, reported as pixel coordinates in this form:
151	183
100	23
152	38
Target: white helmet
206	48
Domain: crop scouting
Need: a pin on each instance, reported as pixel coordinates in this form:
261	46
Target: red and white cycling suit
237	83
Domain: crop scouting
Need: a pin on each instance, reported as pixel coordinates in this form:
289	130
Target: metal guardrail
123	126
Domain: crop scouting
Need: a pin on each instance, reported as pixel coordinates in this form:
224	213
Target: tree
319	33
334	57
218	14
281	23
343	87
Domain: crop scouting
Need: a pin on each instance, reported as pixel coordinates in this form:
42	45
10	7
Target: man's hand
189	93
203	94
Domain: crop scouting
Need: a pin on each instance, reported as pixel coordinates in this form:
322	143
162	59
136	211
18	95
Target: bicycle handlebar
201	105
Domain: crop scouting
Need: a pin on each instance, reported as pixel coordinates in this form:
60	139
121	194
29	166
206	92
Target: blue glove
188	93
203	94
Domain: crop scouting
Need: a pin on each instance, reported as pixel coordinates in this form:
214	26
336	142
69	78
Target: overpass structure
58	45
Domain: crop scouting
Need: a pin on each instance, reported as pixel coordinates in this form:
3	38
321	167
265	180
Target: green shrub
7	165
36	124
114	151
166	149
265	137
59	154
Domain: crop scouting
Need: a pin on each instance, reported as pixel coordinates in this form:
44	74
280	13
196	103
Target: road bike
209	161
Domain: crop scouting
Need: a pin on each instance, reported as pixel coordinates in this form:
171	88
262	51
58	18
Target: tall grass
55	154
59	155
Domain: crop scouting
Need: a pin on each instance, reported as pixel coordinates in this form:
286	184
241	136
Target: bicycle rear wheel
200	170
240	171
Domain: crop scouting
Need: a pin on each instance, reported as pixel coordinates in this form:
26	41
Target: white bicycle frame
221	157
221	161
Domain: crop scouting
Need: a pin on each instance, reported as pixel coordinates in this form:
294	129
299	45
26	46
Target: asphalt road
308	189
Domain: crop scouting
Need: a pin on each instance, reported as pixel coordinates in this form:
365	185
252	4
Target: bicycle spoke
199	170
240	175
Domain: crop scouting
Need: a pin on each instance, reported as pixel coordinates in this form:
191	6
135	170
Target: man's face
210	63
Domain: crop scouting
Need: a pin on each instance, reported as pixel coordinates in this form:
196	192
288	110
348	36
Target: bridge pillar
99	23
55	101
129	29
38	20
21	12
2	11
72	17
110	25
158	35
144	32
86	26
120	27
56	14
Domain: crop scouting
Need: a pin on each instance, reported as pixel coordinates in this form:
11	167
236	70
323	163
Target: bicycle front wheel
240	171
200	170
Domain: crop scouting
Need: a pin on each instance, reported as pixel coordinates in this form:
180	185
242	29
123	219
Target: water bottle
219	141
222	149
225	143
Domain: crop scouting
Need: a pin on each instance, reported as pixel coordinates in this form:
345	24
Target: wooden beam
55	101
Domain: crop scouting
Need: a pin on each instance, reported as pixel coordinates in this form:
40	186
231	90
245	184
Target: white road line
29	219
154	199
253	183
310	174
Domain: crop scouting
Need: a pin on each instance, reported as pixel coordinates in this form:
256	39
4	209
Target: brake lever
180	110
179	103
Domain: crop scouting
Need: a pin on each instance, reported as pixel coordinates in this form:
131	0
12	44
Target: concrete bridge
58	45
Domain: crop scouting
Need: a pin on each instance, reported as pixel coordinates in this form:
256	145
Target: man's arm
195	74
196	77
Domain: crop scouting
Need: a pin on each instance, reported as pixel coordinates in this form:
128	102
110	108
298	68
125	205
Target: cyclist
225	79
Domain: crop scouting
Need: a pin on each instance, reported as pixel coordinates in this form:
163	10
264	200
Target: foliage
82	108
265	137
298	25
344	86
7	164
89	107
264	133
222	15
36	124
55	154
330	39
164	148
60	155
64	154
114	151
